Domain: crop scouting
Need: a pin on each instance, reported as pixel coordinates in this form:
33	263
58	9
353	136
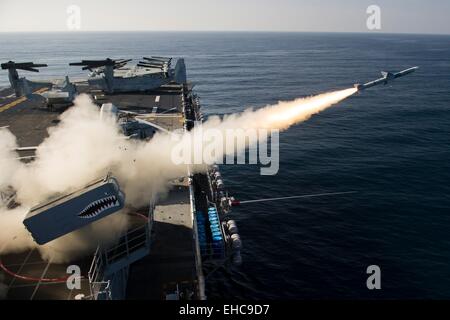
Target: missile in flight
387	77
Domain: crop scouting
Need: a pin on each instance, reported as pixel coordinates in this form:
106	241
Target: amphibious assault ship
171	244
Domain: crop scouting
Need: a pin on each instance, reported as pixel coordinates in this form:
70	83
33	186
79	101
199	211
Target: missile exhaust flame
281	115
288	113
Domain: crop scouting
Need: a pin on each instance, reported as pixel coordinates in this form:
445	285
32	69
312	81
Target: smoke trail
284	114
83	147
279	116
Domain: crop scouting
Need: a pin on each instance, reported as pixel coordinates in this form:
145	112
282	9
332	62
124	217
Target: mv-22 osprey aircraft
107	75
55	92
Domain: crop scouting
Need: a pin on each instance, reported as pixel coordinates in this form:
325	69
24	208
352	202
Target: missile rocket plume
283	114
83	146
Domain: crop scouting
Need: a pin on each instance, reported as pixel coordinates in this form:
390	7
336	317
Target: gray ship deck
173	249
172	257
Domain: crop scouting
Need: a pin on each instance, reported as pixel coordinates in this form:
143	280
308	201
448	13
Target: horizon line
222	31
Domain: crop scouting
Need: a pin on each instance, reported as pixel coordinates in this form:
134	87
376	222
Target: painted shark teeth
99	206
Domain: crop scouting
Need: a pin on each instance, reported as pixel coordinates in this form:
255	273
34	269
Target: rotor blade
297	197
153	59
161	58
156	60
21	64
153	63
28	69
29	66
94	63
121	63
148	66
123	60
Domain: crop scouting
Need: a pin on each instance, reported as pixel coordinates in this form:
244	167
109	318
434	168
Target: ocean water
391	144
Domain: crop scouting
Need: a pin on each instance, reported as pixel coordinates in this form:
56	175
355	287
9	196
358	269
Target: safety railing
132	246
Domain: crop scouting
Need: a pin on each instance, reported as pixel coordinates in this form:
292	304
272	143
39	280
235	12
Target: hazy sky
412	16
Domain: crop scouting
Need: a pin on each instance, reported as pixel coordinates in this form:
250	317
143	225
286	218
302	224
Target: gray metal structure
62	93
64	214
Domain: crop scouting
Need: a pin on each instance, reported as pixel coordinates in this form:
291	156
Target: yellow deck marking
20	100
42	90
12	104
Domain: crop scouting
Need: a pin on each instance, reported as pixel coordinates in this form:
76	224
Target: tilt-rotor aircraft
110	75
57	92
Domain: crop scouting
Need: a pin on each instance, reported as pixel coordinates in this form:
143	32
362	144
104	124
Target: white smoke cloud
8	162
14	237
83	147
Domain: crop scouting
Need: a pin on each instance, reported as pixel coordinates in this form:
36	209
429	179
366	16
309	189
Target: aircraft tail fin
387	75
180	72
26	90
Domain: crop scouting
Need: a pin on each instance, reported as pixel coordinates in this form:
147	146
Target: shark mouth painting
97	207
65	213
